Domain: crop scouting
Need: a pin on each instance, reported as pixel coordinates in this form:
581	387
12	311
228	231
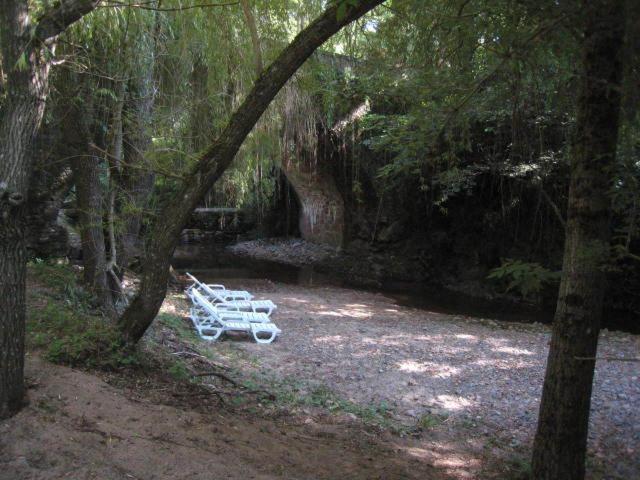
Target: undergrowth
63	322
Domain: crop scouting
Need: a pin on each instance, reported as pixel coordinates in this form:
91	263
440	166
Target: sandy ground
475	382
79	427
478	380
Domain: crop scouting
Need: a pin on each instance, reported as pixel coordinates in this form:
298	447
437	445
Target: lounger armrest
217	286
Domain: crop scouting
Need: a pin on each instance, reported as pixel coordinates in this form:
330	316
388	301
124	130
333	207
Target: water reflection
212	263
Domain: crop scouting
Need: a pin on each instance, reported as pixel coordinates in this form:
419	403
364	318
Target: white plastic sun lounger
212	323
220	299
219	291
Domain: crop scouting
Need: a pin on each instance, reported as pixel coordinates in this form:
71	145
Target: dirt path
474	383
79	427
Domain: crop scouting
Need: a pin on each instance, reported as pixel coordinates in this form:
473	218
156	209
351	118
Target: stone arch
321	214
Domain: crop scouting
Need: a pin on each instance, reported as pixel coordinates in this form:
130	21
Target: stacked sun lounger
216	310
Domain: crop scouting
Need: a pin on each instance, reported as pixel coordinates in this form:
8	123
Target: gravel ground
479	379
291	251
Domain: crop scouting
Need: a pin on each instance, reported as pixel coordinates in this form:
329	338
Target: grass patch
67	327
519	469
178	325
295	393
73	338
427	421
179	371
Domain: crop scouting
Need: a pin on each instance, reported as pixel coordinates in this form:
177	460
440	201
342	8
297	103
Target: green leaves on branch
523	278
343	7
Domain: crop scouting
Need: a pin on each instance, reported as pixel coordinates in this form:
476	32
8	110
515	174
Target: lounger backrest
203	302
213	293
194	279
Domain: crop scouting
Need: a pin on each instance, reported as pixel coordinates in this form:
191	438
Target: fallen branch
266	393
219	375
609	359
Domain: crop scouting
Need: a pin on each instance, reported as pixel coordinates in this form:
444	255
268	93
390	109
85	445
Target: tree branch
56	20
146	6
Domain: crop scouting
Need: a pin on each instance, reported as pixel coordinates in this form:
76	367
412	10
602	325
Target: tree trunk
560	443
26	67
165	233
255	38
21	115
86	173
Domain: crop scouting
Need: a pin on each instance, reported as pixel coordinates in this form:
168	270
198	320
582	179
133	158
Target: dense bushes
63	322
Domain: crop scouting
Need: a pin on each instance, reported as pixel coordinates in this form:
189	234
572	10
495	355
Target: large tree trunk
27	70
21	115
86	173
165	233
78	140
560	442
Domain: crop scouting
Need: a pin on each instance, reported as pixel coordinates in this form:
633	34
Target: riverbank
358	386
468	386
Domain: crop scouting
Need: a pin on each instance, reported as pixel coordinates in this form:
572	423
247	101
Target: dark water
212	263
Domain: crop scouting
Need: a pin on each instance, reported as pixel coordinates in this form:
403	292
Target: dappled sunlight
505	363
496	342
295	300
386	340
169	306
332	339
343	312
513	351
450	458
464	336
450	402
434	369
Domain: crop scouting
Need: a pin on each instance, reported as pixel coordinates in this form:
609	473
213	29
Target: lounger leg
264	340
218	331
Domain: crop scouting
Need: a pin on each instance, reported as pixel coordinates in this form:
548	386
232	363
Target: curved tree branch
165	233
58	18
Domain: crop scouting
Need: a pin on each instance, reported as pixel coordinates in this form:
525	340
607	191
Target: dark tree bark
165	233
136	177
86	174
560	442
77	114
26	66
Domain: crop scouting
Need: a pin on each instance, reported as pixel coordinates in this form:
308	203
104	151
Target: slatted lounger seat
212	323
258	306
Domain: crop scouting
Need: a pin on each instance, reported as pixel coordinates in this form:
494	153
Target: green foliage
55	275
428	421
179	371
519	469
72	338
67	328
524	278
178	325
344	6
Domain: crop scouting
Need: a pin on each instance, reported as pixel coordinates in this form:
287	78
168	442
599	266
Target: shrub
524	278
71	337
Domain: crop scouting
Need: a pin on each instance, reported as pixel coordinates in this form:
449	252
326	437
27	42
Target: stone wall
321	204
